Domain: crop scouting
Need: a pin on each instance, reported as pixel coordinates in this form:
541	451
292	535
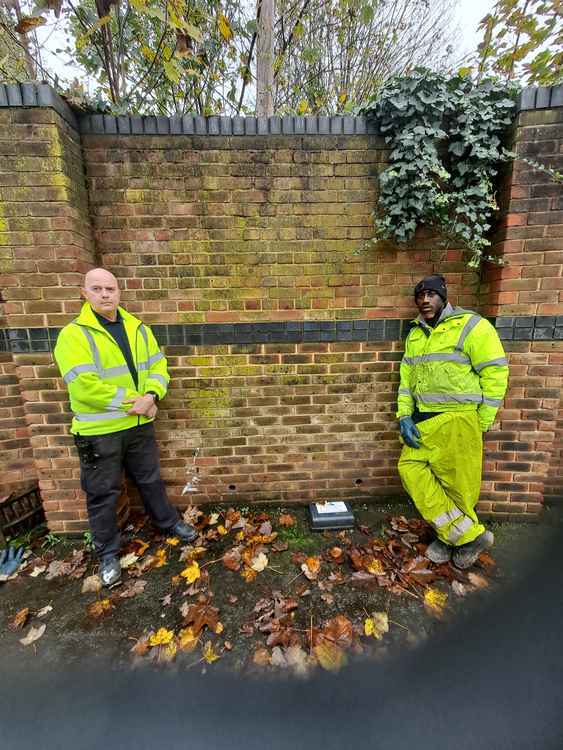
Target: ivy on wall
446	145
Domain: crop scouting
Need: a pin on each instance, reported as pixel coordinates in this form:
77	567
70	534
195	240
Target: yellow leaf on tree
191	573
161	637
83	39
224	27
342	97
330	656
435	601
377	625
148	53
209	653
302	107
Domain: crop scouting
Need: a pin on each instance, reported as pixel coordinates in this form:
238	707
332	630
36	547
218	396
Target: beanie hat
435	283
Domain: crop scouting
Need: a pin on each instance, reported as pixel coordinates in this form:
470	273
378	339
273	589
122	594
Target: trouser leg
101	480
443	476
143	466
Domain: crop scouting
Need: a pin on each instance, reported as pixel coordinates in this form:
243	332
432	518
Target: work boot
438	552
183	531
110	572
466	555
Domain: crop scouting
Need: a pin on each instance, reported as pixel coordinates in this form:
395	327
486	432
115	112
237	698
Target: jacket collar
87	317
447	312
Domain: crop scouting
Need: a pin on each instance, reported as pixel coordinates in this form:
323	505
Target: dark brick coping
42	95
521	328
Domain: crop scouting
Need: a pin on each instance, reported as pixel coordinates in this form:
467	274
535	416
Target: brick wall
282	328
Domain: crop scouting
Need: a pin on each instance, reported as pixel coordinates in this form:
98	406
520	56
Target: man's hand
10	561
143	406
409	432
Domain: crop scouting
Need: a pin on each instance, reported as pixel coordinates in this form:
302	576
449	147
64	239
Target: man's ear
83	292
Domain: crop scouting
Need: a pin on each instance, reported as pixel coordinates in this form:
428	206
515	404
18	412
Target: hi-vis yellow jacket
459	365
97	376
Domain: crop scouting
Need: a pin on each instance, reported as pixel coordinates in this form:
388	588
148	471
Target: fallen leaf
28	23
232	559
191	515
337	554
259	562
297	659
19	620
139	547
161	637
187	639
246	629
37	570
161	558
128	560
172	541
142	646
435	601
377	625
232	599
44	611
262	657
200	615
330	656
286	519
486	560
213	519
209	654
219	629
375	567
280	546
166	600
191	573
265	529
222	530
228	646
33	634
278	659
167	653
339	630
248	574
132	589
311	567
477	581
99	608
91	585
458	588
327	598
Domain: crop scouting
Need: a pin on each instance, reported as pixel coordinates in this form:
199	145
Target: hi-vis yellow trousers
443	476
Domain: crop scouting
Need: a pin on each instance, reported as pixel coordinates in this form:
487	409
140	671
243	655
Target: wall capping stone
35	94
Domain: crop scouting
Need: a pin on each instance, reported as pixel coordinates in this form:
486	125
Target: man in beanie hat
454	375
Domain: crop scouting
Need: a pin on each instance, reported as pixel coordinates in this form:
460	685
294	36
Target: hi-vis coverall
459	370
97	376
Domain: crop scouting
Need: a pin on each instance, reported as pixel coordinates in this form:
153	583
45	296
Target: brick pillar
46	246
524	460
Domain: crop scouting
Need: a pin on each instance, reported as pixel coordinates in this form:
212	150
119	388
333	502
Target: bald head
102	292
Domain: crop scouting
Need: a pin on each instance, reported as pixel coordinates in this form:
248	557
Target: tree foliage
523	40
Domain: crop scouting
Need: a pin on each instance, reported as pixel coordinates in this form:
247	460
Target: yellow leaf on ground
127	560
219	628
173	541
167	653
377	625
248	574
330	656
435	601
375	567
160	556
187	639
224	27
259	562
222	530
209	654
161	637
191	573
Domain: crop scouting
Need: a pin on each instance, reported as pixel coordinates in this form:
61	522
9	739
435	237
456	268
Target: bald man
116	375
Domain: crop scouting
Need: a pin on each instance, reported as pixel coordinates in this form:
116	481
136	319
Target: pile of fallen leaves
277	630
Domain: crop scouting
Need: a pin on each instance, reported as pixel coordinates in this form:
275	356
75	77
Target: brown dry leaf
280	546
286	519
191	515
486	560
228	646
138	547
28	23
58	568
33	634
337	554
142	646
166	600
131	589
311	567
232	599
246	629
19	620
339	630
327	598
458	588
330	656
44	611
200	615
434	602
477	581
232	559
187	639
99	608
265	529
91	585
262	657
377	625
209	653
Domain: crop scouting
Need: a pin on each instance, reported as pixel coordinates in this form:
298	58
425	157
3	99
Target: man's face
102	292
429	303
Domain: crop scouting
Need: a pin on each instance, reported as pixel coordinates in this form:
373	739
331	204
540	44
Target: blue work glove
10	560
409	432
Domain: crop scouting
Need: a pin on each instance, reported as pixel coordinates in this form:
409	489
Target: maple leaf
377	625
128	560
435	601
286	519
199	615
191	573
99	608
91	585
187	639
330	656
161	637
259	562
209	654
262	657
33	634
19	620
311	567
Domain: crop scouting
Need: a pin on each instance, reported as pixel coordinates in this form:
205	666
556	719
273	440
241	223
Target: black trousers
102	460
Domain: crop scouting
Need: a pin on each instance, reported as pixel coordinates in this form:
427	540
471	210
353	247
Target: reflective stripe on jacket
97	376
459	365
